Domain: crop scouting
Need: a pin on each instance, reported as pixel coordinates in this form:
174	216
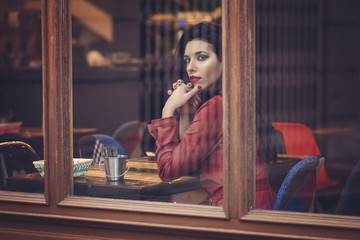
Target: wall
341	64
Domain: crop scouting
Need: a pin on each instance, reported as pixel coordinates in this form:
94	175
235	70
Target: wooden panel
89	218
238	106
57	98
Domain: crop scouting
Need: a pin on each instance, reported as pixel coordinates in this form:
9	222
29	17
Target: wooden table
141	182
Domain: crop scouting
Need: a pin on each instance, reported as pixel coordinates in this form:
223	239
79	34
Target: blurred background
307	67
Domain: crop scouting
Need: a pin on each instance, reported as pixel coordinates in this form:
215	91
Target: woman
194	143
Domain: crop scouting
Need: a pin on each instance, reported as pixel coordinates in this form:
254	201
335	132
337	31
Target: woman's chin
196	85
203	86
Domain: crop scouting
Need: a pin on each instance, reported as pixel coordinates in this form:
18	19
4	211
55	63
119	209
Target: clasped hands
184	99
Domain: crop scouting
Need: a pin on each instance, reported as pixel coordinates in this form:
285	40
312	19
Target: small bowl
80	166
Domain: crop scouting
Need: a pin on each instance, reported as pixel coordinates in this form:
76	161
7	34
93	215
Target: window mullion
238	106
57	78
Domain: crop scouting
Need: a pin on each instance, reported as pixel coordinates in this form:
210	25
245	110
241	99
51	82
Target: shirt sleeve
175	157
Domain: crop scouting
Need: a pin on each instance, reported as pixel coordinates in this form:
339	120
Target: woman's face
202	64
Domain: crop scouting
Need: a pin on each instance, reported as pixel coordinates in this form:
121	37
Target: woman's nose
191	66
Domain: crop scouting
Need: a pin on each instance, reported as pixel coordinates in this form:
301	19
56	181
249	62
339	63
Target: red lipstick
194	79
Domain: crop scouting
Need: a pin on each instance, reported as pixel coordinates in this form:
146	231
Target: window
21	135
124	62
302	51
236	219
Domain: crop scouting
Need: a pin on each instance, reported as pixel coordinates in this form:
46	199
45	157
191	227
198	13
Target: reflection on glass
124	61
21	138
307	87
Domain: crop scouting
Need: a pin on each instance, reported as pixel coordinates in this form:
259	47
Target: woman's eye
186	61
202	57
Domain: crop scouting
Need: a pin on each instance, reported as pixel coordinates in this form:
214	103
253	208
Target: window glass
21	137
124	63
307	79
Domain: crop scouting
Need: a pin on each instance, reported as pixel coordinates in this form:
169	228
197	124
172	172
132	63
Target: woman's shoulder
216	98
211	106
214	101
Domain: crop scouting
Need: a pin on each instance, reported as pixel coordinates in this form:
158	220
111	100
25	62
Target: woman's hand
183	98
192	105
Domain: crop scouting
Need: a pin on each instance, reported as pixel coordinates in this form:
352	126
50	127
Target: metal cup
115	167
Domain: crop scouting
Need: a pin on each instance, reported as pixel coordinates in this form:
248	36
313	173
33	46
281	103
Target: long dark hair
211	33
206	31
265	131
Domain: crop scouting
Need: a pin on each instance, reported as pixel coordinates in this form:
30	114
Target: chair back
90	146
130	135
350	196
299	140
298	188
16	158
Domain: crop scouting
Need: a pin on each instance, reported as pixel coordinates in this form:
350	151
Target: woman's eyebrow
200	52
197	53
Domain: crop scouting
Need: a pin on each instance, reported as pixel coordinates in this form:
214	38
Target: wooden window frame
235	218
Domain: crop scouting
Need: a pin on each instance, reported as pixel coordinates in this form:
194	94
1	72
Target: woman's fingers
181	98
188	90
196	101
193	91
177	83
189	86
191	102
197	97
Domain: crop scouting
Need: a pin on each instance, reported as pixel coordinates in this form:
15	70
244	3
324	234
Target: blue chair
90	146
130	135
298	188
349	202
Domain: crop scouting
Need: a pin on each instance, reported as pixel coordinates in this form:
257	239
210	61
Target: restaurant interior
307	75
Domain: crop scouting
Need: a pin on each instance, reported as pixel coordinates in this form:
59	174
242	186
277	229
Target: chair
16	158
298	188
130	135
90	146
299	140
350	195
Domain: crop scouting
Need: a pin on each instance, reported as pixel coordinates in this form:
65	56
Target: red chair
299	140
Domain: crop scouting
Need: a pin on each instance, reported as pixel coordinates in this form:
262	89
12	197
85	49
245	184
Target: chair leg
4	174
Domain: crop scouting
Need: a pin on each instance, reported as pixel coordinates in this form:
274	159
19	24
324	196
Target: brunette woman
193	143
